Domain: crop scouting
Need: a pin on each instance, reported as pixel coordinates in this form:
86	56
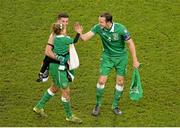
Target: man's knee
120	81
53	89
102	80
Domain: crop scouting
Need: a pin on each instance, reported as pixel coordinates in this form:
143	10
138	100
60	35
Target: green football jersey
113	39
61	44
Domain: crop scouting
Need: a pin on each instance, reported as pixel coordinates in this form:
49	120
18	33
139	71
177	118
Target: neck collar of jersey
59	36
112	28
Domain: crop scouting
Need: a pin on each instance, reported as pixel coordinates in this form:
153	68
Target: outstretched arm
86	36
78	28
133	53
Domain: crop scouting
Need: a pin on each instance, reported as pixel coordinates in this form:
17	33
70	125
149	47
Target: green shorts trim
107	63
59	77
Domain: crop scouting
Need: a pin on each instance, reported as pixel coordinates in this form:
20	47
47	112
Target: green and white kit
61	48
114	54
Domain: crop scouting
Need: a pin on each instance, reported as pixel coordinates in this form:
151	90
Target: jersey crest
115	36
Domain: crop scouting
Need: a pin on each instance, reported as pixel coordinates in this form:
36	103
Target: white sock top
100	86
119	87
50	92
64	99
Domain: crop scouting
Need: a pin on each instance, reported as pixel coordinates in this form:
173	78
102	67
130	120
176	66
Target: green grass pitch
154	26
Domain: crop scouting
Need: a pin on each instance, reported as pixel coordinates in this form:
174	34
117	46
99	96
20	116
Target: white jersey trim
112	29
59	36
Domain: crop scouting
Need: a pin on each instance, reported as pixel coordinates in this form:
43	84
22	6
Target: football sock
45	98
67	107
117	94
99	94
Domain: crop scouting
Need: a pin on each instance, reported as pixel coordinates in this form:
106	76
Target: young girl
59	73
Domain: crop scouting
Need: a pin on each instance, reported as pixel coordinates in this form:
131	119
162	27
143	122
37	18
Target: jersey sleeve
125	33
95	29
69	40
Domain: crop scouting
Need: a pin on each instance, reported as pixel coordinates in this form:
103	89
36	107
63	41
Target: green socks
99	94
117	94
67	107
45	98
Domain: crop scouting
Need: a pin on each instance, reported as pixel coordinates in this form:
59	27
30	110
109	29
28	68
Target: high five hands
78	28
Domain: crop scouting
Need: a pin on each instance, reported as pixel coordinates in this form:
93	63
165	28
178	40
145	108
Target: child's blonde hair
57	28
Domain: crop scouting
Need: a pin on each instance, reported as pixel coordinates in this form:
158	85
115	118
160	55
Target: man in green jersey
113	36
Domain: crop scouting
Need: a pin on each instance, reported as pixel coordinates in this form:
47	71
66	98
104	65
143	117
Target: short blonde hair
57	28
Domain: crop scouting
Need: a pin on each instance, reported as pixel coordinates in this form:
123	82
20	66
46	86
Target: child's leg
44	72
45	64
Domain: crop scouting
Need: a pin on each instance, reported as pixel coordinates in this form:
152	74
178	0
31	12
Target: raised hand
78	28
